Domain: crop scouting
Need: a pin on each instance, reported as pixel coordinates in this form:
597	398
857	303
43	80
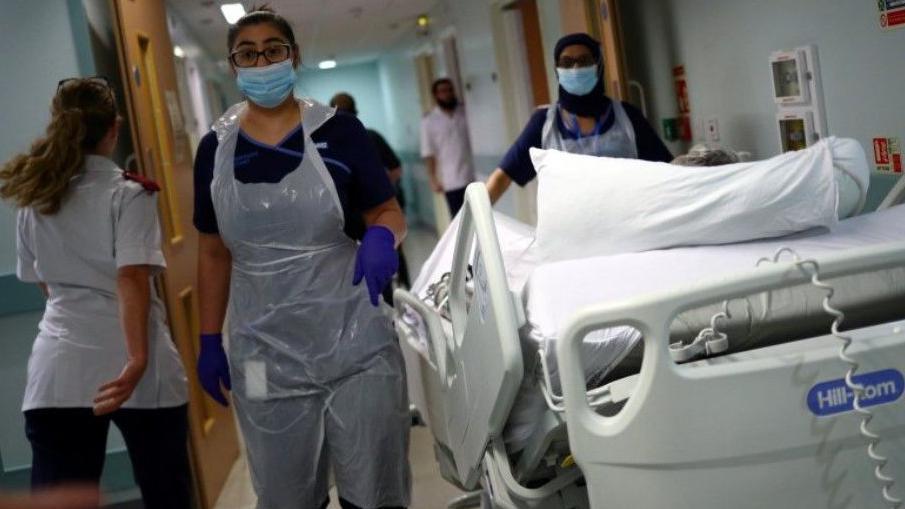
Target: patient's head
707	155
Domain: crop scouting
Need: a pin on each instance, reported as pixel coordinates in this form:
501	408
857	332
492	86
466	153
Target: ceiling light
423	20
327	64
178	51
232	12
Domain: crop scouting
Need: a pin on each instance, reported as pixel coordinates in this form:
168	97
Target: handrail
652	314
436	338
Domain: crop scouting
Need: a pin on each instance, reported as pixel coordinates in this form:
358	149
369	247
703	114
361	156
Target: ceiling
349	31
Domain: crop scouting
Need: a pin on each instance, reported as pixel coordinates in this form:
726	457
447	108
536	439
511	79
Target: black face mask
450	104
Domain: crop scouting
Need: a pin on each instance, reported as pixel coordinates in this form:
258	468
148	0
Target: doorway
524	74
163	153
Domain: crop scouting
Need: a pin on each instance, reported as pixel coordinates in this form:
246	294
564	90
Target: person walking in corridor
299	227
345	103
445	146
583	121
88	235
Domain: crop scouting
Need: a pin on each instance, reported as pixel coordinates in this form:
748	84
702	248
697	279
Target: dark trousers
69	445
403	274
455	199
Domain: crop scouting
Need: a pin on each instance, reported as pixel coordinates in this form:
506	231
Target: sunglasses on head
101	80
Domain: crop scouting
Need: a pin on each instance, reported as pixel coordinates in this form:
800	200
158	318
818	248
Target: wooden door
162	152
600	19
534	51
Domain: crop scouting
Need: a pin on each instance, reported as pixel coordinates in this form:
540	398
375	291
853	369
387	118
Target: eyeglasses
248	57
100	80
582	61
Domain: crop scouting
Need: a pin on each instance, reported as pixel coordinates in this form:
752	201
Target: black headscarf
595	102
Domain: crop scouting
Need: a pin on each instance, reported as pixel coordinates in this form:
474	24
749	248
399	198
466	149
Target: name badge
255	379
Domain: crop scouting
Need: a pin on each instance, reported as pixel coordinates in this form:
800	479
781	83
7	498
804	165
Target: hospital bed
627	430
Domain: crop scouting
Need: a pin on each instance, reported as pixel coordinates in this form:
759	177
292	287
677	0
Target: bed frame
728	431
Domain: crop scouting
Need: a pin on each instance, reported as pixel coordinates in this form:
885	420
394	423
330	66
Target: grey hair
707	155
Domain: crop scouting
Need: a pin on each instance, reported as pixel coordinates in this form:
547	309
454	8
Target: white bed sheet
516	240
555	291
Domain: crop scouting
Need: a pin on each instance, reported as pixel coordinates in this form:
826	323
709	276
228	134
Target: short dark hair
439	82
344	101
258	15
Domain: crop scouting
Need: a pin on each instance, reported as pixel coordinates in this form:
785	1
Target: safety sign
892	14
888	155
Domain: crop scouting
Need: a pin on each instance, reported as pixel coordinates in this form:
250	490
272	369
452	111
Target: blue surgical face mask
267	86
578	81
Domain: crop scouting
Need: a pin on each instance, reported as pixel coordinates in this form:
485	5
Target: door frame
601	20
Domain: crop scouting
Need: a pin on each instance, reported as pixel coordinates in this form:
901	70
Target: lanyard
575	129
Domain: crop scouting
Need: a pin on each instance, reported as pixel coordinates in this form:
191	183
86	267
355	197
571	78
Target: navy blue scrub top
344	145
517	163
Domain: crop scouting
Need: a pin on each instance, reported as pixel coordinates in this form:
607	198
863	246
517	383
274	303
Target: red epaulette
149	185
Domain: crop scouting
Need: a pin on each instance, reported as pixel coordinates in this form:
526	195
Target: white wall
41	30
477	65
725	48
399	85
362	81
44	32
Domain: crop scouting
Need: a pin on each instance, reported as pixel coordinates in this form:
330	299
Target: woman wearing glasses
88	235
583	121
284	190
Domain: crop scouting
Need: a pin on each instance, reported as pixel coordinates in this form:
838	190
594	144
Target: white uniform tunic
445	138
106	222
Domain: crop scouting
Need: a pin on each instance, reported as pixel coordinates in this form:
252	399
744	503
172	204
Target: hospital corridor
448	254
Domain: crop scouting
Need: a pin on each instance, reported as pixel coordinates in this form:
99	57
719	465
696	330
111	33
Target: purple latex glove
376	261
213	368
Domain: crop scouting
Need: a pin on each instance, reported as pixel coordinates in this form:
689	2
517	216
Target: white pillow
591	206
852	175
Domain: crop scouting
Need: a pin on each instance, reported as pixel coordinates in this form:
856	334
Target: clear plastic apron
317	377
617	141
296	323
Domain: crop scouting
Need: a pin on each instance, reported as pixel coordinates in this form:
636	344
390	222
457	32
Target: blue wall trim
19	297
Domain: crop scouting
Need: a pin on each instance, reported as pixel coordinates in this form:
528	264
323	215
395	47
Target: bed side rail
484	363
436	342
751	413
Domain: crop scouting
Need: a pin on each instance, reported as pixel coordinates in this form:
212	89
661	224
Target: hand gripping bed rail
812	267
606	447
484	366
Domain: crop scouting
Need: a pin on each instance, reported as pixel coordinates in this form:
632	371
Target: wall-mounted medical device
797	92
796	127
